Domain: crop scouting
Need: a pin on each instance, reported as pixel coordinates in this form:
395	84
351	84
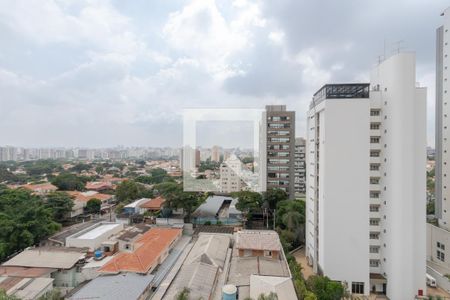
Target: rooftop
341	91
114	287
25	288
137	203
25	272
149	248
154	203
211	249
61	236
282	286
258	240
212	206
98	230
57	258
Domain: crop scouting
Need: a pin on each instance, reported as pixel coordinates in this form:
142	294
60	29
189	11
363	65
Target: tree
184	294
248	201
271	296
54	294
68	182
128	190
60	204
99	169
158	175
93	206
80	167
430	208
292	220
24	220
5	296
325	288
7	176
273	196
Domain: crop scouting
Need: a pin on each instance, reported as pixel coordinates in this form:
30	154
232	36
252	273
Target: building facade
366	158
280	145
300	166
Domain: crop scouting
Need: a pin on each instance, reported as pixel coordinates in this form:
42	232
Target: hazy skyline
94	73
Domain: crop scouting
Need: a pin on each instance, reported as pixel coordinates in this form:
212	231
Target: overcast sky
103	73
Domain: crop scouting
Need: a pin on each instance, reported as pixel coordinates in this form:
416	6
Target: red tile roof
40	187
98	185
150	247
154	204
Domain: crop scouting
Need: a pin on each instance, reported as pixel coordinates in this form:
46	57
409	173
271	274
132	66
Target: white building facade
365	195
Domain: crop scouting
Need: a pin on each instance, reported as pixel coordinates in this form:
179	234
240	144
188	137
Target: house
81	199
202	268
98	186
40	189
116	287
258	243
129	236
26	288
95	236
218	208
63	264
258	265
149	251
153	205
135	207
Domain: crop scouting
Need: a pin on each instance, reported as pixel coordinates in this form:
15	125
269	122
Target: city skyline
102	73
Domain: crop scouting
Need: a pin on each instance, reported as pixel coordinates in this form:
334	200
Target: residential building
215	154
218	208
366	191
258	266
280	146
203	268
41	188
26	288
197	158
153	205
150	250
63	264
442	118
300	166
231	175
94	236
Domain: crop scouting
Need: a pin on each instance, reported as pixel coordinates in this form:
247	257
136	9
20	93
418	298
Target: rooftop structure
57	258
59	239
202	267
341	91
258	240
220	208
115	287
25	271
149	251
282	286
92	237
153	204
26	288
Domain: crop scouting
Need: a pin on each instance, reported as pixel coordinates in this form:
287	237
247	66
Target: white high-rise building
366	157
443	123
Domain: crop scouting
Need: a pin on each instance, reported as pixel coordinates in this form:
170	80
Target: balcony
375	132
374	160
375	187
374	214
374	255
375	146
373	173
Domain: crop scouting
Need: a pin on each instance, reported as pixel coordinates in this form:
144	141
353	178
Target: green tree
183	294
158	175
325	288
127	191
271	296
5	296
248	201
60	204
24	220
93	206
7	176
80	167
68	182
430	208
54	294
99	169
273	196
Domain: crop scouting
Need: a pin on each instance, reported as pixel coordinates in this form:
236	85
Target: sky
100	73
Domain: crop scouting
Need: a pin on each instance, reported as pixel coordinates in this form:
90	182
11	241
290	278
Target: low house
116	287
99	186
218	208
135	207
150	250
26	288
258	243
41	188
81	199
64	264
202	268
153	205
258	265
130	235
95	236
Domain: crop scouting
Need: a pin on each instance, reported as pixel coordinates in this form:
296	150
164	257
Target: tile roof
258	240
86	196
96	185
149	248
40	187
154	203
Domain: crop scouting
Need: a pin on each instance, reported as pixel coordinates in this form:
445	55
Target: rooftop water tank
229	292
98	254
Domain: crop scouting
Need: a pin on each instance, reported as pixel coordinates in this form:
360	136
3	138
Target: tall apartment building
280	145
442	136
366	157
300	166
215	154
230	175
438	237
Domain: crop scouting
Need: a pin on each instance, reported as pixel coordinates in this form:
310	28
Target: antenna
398	45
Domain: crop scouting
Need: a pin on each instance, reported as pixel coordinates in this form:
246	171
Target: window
268	253
374	112
374	139
374	249
374	222
374	263
374	208
374	180
374	235
440	245
374	194
357	287
374	153
374	126
441	256
374	167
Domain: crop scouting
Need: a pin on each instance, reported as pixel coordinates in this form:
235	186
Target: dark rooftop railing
341	91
